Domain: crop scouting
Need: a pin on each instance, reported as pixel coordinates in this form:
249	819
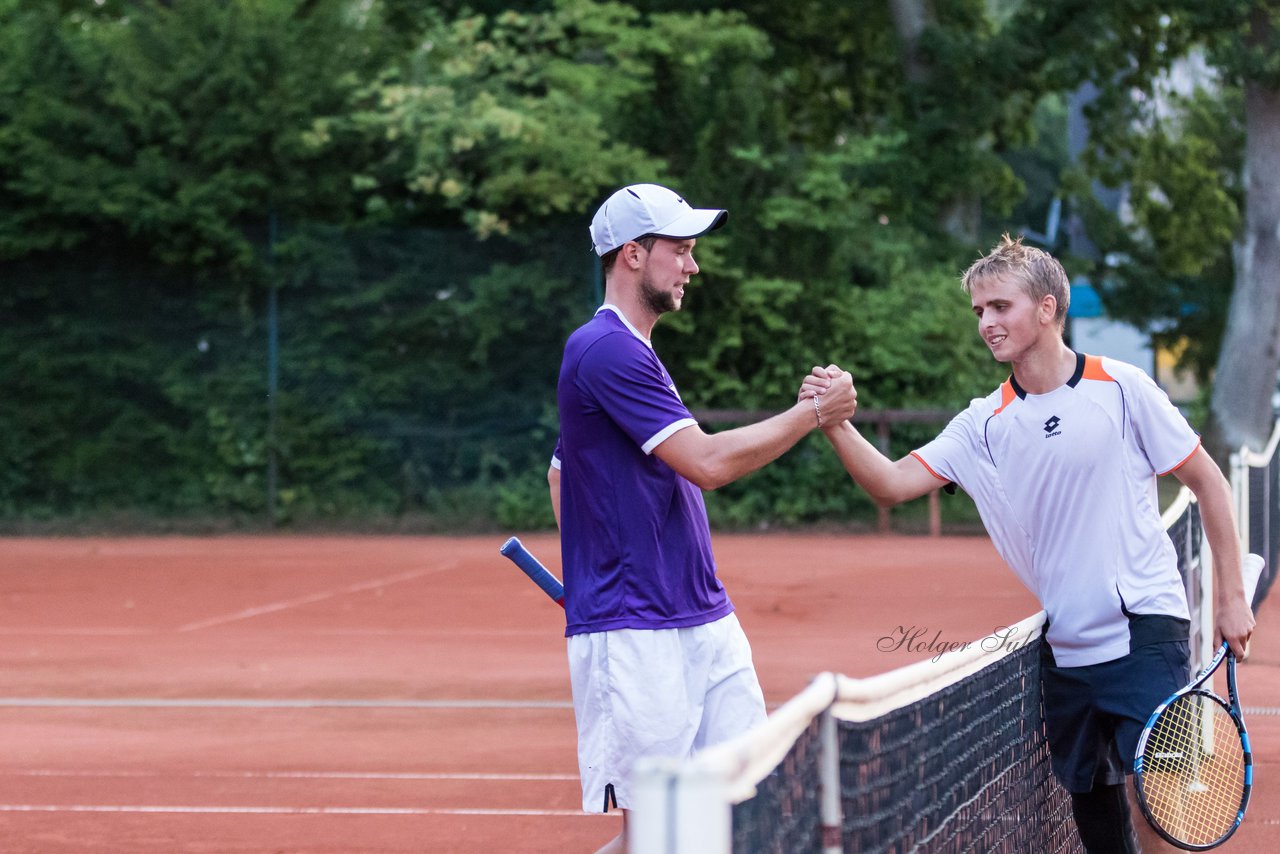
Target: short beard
659	302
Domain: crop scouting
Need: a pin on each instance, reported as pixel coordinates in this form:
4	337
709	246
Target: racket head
1194	771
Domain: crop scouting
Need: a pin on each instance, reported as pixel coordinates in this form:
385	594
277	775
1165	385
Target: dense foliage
410	184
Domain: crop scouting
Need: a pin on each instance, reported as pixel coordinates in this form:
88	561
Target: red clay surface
404	694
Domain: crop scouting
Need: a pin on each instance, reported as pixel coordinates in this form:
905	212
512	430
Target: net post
678	810
829	769
1240	492
1207	625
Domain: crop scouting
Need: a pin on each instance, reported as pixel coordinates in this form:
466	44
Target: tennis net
943	755
1186	532
1255	478
946	755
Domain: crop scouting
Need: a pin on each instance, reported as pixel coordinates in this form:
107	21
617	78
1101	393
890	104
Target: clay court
395	694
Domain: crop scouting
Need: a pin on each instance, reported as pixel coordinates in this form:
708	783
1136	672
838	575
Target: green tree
1130	47
505	120
143	147
159	137
1171	267
515	118
177	127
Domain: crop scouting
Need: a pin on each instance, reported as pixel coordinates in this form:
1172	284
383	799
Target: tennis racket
1194	767
515	551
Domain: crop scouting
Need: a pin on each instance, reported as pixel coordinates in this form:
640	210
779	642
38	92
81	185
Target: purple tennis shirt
634	537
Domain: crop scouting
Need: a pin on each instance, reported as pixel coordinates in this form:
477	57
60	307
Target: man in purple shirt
658	662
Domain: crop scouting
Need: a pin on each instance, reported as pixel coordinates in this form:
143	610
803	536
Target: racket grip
515	552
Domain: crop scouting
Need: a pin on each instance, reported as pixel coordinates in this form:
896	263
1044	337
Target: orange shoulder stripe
1093	370
1007	394
1185	460
920	460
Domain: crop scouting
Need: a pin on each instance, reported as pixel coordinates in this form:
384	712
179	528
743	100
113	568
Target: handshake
833	395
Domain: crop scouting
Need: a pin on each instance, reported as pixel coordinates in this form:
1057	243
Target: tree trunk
909	19
1245	379
961	217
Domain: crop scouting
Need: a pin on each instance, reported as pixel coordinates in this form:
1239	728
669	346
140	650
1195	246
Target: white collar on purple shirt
625	322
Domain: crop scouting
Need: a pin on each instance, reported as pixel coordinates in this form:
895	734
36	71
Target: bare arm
553	481
885	481
712	460
1233	616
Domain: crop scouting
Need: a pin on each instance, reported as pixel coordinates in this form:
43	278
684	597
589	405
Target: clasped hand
838	397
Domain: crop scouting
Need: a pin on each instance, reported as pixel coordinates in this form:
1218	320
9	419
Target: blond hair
1036	271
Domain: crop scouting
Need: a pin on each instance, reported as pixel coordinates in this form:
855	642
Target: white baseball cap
642	209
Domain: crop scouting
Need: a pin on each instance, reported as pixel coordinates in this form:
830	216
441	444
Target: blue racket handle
515	551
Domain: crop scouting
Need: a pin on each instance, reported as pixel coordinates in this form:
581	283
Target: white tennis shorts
657	692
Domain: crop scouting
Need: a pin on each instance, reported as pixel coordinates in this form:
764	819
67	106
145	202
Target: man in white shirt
1062	461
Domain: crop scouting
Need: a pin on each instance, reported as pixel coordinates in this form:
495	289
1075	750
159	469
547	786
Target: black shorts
1094	714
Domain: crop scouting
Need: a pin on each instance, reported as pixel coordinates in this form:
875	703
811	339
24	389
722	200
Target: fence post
273	375
882	439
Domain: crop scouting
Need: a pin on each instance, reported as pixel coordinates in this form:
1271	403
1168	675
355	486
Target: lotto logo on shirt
1051	427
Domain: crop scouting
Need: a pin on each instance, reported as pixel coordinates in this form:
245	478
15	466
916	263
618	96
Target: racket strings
1193	770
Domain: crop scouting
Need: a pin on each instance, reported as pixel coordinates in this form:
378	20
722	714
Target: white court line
247	613
205	810
447	632
37	630
217	703
300	775
450	632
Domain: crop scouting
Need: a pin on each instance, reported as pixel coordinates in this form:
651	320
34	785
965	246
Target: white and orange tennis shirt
1066	486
